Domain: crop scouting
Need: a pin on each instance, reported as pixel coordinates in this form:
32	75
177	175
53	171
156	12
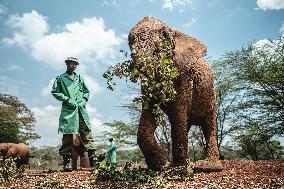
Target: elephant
20	152
195	101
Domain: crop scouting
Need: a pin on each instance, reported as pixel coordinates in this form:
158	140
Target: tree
249	91
123	134
256	142
229	95
197	144
228	98
16	121
259	69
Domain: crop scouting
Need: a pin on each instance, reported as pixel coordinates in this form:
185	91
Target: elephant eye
165	34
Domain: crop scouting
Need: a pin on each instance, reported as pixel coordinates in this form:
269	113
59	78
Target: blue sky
36	36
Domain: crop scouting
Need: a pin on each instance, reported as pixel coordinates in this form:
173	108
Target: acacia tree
256	142
249	92
250	99
228	97
16	121
260	70
197	144
123	133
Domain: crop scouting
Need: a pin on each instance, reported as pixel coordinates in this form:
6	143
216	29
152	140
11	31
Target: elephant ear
190	44
12	151
188	51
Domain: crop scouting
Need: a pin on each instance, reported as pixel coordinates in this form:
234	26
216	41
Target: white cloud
112	3
190	23
10	86
93	86
46	91
124	36
132	96
47	125
173	4
265	42
30	28
268	48
14	67
261	43
96	123
48	120
212	3
88	40
3	9
270	4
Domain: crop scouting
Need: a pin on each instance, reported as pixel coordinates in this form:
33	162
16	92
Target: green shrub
156	74
49	183
140	175
8	170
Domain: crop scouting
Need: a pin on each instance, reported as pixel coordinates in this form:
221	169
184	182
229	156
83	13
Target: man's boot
91	155
84	160
67	163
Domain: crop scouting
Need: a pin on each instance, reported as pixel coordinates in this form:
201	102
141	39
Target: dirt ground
237	174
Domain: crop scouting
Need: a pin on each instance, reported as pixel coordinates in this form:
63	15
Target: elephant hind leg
154	155
210	131
211	163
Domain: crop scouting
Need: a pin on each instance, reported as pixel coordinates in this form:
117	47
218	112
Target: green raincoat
111	153
74	94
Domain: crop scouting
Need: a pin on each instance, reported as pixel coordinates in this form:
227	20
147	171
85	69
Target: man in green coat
111	153
71	89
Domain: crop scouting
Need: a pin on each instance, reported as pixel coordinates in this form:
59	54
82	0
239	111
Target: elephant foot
207	166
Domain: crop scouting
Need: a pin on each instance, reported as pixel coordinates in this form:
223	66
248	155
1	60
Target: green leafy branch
156	73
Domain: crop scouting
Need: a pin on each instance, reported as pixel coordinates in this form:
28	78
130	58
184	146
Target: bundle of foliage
16	121
50	183
139	175
155	72
112	173
9	171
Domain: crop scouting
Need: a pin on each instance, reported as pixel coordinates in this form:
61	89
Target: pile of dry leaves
237	174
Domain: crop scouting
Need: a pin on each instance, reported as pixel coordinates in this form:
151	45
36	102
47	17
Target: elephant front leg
154	155
179	134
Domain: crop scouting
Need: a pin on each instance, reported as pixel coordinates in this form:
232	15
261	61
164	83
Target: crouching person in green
74	123
111	153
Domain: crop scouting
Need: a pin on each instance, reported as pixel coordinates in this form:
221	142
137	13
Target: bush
128	174
8	170
140	175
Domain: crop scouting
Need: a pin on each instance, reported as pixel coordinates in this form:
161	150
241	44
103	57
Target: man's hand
83	102
72	103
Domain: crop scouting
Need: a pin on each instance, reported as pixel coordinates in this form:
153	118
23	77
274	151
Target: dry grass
237	174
